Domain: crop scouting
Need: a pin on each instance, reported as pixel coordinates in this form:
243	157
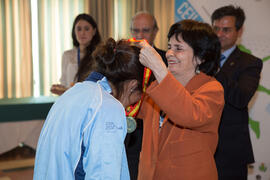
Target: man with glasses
143	26
239	74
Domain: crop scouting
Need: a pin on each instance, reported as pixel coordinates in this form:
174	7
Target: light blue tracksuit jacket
87	113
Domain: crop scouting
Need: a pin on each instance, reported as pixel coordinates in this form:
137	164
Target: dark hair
119	62
230	10
86	61
202	39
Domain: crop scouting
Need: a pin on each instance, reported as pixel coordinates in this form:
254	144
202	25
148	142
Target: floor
17	164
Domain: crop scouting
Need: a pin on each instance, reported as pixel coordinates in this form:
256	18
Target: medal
132	111
131	124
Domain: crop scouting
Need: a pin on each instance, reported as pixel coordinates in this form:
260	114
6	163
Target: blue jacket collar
100	79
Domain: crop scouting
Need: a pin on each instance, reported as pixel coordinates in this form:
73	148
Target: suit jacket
185	146
240	77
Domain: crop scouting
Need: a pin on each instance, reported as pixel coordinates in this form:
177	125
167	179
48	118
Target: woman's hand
150	58
58	89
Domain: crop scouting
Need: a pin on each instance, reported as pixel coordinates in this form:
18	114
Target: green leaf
262	167
266	58
263	89
255	126
244	49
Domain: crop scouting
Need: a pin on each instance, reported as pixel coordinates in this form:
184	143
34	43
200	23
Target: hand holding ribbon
150	58
132	111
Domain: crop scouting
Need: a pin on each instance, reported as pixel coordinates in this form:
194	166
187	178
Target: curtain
162	10
15	49
164	13
102	11
55	19
124	11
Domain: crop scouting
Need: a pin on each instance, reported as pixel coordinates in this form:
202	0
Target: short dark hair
230	10
119	62
202	39
86	61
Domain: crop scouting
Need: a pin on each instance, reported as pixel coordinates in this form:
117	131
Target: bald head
144	26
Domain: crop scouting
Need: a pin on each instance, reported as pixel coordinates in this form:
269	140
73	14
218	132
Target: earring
197	71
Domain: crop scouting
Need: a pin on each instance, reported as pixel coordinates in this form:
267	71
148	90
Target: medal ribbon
133	110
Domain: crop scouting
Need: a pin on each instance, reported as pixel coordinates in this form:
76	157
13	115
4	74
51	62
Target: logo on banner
184	10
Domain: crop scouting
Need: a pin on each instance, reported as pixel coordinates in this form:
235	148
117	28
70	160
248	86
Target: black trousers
133	143
232	172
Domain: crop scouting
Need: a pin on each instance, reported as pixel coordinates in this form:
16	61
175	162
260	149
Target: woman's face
131	94
180	56
84	32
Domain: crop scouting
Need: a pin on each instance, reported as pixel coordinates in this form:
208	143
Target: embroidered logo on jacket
109	126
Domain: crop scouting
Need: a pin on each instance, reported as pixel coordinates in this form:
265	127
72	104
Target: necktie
222	60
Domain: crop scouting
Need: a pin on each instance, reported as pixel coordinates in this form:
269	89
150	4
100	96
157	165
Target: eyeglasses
224	29
144	30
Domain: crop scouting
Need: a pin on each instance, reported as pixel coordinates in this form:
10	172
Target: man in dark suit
143	26
239	75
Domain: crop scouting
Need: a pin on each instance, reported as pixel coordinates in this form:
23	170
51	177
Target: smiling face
84	32
226	31
181	60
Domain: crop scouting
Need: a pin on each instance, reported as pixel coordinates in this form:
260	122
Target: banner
184	10
255	40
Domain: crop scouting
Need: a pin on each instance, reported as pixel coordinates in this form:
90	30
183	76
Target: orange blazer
184	147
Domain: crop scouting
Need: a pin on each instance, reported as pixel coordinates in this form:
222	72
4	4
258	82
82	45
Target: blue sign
184	10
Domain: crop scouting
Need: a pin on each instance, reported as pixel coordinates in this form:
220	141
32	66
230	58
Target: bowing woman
83	135
181	111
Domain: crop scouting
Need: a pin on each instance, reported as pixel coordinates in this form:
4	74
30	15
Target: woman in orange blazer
182	108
